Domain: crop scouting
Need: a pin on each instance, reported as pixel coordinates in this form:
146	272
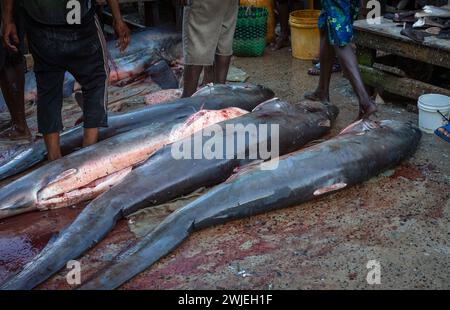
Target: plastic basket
250	35
269	5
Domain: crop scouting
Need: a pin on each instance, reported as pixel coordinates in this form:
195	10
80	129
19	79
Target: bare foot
14	133
365	111
317	96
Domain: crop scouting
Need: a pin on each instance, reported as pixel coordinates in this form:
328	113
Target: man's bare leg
19	80
283	39
12	82
190	79
348	61
322	92
208	75
53	147
90	136
221	67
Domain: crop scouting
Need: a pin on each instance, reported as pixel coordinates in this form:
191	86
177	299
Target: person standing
66	36
336	31
12	82
208	32
283	15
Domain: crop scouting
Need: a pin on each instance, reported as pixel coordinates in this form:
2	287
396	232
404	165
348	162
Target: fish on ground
361	151
162	178
83	175
245	96
146	49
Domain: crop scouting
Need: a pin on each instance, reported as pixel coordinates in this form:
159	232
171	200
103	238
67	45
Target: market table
386	37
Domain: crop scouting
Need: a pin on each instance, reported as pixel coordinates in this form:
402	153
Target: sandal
316	69
443	132
316	60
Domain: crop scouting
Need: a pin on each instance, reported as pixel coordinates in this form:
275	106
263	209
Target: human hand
10	37
123	35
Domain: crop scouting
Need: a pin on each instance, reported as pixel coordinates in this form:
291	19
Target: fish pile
137	169
146	49
85	174
245	96
358	153
429	21
298	126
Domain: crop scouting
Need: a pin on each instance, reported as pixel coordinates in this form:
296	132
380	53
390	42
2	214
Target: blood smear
163	96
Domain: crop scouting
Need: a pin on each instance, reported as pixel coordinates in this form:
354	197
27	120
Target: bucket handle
448	120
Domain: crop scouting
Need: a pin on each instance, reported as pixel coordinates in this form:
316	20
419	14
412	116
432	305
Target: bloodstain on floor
23	237
409	172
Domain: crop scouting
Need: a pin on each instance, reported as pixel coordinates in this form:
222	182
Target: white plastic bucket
429	118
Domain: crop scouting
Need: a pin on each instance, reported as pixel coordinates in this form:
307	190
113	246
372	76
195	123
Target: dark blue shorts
78	49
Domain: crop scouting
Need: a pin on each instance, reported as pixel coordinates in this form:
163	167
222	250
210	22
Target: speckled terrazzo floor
400	218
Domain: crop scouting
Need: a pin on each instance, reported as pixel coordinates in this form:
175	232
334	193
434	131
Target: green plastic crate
251	29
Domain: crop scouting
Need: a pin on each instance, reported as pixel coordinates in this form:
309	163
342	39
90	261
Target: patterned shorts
337	18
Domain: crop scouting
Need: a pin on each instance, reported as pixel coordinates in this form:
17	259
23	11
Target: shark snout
16	202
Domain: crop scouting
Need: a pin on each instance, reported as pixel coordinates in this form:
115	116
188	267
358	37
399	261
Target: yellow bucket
305	37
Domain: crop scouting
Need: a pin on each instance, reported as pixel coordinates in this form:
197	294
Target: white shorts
208	30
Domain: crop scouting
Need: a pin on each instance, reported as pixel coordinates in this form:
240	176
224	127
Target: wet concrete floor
401	219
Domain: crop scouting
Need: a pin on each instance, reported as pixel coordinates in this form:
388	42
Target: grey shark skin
352	157
146	48
215	97
163	178
21	195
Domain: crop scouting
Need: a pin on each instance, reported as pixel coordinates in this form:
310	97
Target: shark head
18	197
241	90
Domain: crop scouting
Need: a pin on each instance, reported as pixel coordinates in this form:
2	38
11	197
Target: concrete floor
401	219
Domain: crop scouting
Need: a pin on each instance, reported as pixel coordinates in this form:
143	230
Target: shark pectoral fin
238	171
361	126
328	189
63	176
